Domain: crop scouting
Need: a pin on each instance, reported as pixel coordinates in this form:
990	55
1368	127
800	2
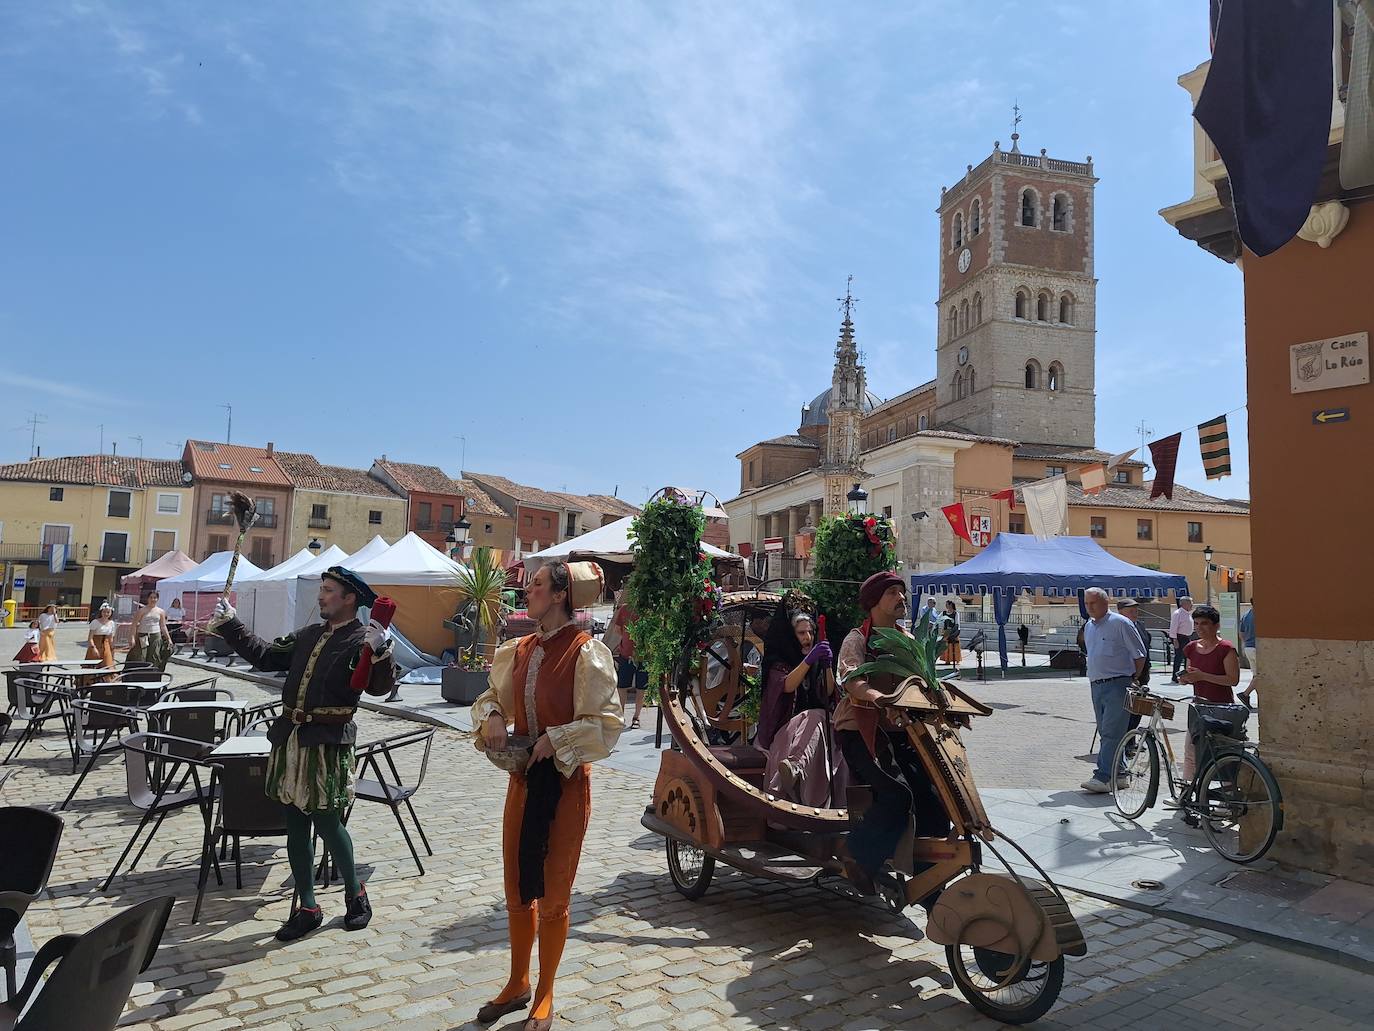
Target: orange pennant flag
1093	478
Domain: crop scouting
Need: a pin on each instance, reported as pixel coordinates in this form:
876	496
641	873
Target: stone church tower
843	465
1018	300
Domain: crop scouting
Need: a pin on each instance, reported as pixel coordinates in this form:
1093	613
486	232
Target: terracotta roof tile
1185	499
428	479
1065	453
234	463
478	501
308	473
602	504
519	491
98	470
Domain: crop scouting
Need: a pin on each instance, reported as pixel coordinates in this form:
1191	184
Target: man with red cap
876	752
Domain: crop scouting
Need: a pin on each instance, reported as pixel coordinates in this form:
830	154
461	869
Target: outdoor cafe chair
6	721
197	691
151	766
39	701
258	728
394	792
207	723
265	711
244	811
31	837
100	712
95	972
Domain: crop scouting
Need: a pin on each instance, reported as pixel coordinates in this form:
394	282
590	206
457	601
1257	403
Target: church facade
1013	401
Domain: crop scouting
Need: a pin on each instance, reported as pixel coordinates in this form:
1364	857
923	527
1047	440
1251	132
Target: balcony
223	517
114	555
318	522
435	525
37	553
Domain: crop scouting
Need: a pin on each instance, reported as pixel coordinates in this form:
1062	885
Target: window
978	309
216	542
114	547
266	506
1055	379
1022	304
374	517
924	422
751	470
891	434
1042	308
964	316
163	542
1098	526
953	323
1054	470
547	523
120	501
54	493
255	469
217	504
261	552
1059	218
1016	523
486	528
972	381
446	514
424	515
169	504
1032	374
529	520
958	229
319	511
976	219
1144	529
1122	476
1028	207
1194	533
1066	309
958	385
570	530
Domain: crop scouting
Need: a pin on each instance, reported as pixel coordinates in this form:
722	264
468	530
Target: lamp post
314	546
461	532
858	500
1207	554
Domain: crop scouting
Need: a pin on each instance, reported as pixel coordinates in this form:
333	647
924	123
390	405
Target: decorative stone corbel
1324	223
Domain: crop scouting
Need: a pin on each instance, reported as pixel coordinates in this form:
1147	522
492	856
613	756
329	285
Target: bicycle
1233	796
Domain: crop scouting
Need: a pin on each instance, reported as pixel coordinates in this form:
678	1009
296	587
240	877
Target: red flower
870	521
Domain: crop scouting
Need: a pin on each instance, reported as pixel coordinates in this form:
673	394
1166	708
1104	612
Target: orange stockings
549	914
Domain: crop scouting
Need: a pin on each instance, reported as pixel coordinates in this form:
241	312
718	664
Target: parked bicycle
1233	796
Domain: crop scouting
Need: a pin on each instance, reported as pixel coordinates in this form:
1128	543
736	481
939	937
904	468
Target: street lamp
1207	554
458	536
314	546
858	500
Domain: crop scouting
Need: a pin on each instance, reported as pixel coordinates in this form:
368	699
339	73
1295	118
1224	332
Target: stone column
813	514
793	525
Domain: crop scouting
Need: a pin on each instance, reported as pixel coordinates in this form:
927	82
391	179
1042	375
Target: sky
589	247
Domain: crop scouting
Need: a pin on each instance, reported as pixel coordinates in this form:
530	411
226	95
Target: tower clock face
963	356
965	259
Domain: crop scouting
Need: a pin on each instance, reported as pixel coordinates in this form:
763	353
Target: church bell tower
843	464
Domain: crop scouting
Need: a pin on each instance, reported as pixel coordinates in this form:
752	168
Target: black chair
151	765
31	837
197	691
258	713
207	723
95	973
39	701
244	811
6	721
395	792
100	712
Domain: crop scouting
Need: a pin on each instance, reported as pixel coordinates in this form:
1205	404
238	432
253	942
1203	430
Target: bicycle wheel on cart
1240	806
1007	988
1137	788
690	868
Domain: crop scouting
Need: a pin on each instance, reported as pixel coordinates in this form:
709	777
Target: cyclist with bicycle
1213	669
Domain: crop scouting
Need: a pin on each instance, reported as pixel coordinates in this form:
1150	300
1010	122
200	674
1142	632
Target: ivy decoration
675	602
848	550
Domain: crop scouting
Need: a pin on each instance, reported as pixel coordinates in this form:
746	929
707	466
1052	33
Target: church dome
815	413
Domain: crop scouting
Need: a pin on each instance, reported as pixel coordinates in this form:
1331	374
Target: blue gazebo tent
1059	566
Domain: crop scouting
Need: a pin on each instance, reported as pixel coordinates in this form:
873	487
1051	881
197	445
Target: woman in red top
1213	669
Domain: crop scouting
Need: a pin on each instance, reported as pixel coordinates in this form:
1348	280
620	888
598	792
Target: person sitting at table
311	767
47	633
100	637
152	641
30	652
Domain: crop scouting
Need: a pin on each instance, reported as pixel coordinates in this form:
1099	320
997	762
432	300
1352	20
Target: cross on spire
1015	116
848	301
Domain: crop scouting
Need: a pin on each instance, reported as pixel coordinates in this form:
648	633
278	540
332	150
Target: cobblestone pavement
749	954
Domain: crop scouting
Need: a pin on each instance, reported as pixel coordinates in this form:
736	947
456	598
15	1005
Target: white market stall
609	543
304	590
199	587
421	580
261	603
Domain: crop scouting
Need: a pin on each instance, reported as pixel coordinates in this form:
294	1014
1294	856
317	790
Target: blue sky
601	243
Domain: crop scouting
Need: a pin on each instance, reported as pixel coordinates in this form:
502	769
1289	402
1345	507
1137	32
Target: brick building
540	518
333	504
219	468
434	499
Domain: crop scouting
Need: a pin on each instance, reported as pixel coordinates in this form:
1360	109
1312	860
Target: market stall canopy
282	606
368	551
423	583
1058	566
252	591
208	576
609	543
170	564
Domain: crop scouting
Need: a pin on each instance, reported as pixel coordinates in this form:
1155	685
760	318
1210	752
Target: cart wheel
690	868
1012	991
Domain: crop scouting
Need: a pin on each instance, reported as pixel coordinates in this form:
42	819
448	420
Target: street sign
1325	416
1326	364
19	582
772	544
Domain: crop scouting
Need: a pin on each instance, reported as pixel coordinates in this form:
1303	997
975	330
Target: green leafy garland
675	603
848	550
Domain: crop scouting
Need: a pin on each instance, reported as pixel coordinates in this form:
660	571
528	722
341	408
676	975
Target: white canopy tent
197	588
304	589
421	580
262	602
609	543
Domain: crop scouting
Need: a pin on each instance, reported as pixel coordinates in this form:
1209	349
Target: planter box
462	686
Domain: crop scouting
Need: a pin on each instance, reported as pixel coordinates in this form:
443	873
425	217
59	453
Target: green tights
301	852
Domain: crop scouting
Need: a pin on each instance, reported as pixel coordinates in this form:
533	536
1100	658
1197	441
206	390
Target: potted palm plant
481	590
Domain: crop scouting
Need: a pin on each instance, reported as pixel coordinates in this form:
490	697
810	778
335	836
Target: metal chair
6	721
37	700
151	765
197	691
258	728
95	973
267	710
100	712
244	811
31	837
207	723
395	792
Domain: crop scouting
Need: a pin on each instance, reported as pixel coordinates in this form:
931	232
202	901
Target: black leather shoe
494	1011
302	922
359	913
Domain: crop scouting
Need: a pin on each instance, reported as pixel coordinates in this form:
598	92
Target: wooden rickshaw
1005	935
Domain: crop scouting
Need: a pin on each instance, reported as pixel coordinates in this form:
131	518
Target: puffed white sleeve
499	696
598	718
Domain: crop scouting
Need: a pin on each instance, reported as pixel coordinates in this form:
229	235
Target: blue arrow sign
1323	416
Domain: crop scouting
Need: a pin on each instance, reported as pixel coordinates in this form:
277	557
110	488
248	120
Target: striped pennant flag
1216	448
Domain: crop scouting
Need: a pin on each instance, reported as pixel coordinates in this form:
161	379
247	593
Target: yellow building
110	514
333	504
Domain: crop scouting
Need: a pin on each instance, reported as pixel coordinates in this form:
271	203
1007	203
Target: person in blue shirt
1247	636
1116	659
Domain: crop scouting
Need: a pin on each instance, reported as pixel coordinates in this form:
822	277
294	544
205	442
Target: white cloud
57	388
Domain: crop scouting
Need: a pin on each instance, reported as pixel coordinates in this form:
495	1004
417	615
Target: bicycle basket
1144	705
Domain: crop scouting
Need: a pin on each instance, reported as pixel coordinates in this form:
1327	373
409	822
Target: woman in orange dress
100	637
47	634
556	686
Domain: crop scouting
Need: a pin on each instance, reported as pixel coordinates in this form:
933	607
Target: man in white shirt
1181	632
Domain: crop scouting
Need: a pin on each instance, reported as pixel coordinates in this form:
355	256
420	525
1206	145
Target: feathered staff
245	513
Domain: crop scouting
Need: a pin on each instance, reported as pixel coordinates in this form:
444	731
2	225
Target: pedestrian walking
1180	632
631	679
152	640
47	633
1247	638
29	652
1116	659
100	637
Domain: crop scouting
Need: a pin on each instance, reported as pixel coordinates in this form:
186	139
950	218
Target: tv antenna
229	428
34	421
1144	432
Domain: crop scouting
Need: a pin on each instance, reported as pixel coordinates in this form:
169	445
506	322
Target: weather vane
1015	116
848	301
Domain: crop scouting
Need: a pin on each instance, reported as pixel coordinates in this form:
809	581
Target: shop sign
1327	364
